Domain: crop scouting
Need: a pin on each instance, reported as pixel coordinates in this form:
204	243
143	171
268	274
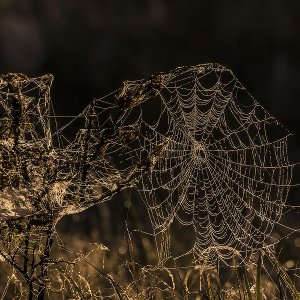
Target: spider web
202	153
26	149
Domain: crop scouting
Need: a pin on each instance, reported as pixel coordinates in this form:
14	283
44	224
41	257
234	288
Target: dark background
92	46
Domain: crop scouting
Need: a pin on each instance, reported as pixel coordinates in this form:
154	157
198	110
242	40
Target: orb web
203	154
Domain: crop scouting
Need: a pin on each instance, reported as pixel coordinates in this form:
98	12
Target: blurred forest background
92	46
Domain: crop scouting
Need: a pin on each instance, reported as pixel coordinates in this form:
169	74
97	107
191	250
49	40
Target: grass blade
258	275
247	285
